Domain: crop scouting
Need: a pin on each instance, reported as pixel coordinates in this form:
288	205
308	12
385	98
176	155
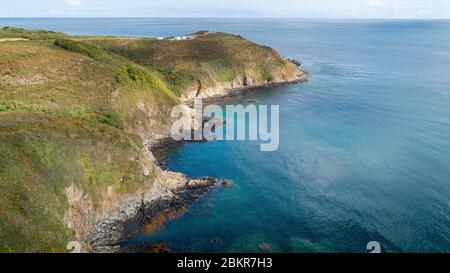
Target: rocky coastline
94	147
163	200
224	91
172	192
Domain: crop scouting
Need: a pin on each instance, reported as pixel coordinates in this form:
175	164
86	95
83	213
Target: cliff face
77	119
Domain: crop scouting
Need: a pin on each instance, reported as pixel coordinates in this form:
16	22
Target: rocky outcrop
102	230
292	74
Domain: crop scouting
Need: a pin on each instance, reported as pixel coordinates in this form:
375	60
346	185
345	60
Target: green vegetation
42	155
67	113
210	58
93	51
12	32
75	111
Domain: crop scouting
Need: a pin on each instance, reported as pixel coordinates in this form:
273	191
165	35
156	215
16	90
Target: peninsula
80	116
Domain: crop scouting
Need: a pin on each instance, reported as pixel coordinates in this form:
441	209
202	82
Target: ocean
364	149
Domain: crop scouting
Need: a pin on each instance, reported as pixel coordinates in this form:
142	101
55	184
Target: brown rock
265	247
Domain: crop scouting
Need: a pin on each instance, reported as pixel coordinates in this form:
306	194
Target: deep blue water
364	147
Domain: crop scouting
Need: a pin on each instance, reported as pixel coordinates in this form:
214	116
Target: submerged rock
226	183
266	247
216	241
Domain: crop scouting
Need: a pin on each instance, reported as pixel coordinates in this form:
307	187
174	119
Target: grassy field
76	110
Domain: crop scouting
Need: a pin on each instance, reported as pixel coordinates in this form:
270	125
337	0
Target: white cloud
374	3
73	3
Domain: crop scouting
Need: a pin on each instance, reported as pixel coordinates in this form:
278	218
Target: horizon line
219	17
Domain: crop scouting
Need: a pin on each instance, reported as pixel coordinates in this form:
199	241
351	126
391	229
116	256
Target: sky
421	9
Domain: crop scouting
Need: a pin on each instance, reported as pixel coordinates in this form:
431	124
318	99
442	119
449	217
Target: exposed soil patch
23	80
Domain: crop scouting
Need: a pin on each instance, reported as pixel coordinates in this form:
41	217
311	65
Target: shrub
93	51
109	117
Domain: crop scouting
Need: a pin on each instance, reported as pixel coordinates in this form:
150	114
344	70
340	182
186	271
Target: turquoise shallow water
364	147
